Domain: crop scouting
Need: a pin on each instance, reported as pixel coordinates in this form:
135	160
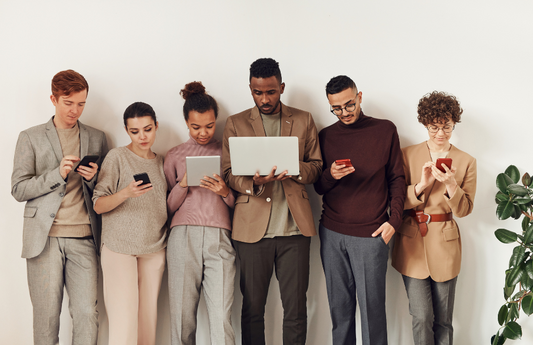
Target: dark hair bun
193	88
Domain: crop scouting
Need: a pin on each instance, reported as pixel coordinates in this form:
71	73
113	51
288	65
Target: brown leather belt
423	219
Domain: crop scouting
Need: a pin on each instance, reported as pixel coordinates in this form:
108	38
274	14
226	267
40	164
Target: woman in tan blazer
427	248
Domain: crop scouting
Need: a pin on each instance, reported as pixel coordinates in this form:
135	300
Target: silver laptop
200	166
259	154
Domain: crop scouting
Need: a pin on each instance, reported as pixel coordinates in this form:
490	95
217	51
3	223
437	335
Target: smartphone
88	159
142	177
346	162
445	161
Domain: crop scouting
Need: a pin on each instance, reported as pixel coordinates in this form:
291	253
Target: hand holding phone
86	160
445	161
142	177
337	173
346	162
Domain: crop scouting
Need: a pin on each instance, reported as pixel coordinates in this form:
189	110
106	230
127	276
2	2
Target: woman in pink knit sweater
199	251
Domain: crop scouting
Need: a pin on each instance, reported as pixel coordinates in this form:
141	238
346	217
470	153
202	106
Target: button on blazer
37	181
252	212
438	254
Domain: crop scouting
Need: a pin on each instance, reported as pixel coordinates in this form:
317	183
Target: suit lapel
286	121
257	122
51	133
84	140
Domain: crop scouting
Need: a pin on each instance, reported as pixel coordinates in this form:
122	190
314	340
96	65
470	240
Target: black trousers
290	256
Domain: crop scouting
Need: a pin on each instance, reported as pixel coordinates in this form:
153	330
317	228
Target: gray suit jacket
37	181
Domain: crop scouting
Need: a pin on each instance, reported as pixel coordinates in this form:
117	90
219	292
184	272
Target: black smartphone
142	177
88	159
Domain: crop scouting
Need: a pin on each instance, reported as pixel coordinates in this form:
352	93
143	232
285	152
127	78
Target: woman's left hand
215	184
447	177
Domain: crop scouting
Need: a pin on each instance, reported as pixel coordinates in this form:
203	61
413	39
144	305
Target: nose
264	99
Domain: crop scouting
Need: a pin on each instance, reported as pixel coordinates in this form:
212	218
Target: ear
251	90
281	88
156	125
54	100
360	97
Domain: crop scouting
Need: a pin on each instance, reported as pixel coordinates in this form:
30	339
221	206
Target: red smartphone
445	161
346	162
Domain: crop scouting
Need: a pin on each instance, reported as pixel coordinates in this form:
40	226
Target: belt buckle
429	217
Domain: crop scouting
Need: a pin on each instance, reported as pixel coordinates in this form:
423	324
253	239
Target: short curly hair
265	68
439	107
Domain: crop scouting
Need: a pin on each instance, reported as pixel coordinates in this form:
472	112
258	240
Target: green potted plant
515	200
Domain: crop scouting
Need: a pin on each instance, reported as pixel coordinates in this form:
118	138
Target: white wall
396	52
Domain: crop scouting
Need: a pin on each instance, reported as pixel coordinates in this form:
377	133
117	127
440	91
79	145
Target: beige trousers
131	289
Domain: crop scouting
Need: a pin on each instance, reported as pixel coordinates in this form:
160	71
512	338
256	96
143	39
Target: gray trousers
355	265
70	263
200	257
431	305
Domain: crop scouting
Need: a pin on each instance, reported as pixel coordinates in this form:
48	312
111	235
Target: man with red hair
61	230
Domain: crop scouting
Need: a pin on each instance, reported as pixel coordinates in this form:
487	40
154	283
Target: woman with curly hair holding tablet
441	184
200	254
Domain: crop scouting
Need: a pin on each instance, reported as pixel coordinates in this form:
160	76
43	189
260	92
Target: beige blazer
438	254
252	212
36	180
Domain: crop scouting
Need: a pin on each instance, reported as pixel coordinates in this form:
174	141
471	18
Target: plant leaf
514	276
526	179
512	331
527	305
514	313
513	172
529	268
506	236
502	181
517	189
517	257
527	283
528	236
505	210
508	291
502	314
519	294
517	213
501	197
525	223
497	339
523	201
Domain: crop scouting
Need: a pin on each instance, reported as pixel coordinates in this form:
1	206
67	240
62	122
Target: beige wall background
396	52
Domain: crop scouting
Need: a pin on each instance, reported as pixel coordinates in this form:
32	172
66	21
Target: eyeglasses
445	129
349	108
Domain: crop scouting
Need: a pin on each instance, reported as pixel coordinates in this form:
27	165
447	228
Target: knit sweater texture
358	203
138	225
72	219
195	205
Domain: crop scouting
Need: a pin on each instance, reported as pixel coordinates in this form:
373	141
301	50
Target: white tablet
259	154
200	166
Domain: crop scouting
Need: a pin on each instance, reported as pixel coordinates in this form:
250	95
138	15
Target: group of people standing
372	189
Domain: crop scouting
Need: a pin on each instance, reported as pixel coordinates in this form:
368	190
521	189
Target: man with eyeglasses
362	206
